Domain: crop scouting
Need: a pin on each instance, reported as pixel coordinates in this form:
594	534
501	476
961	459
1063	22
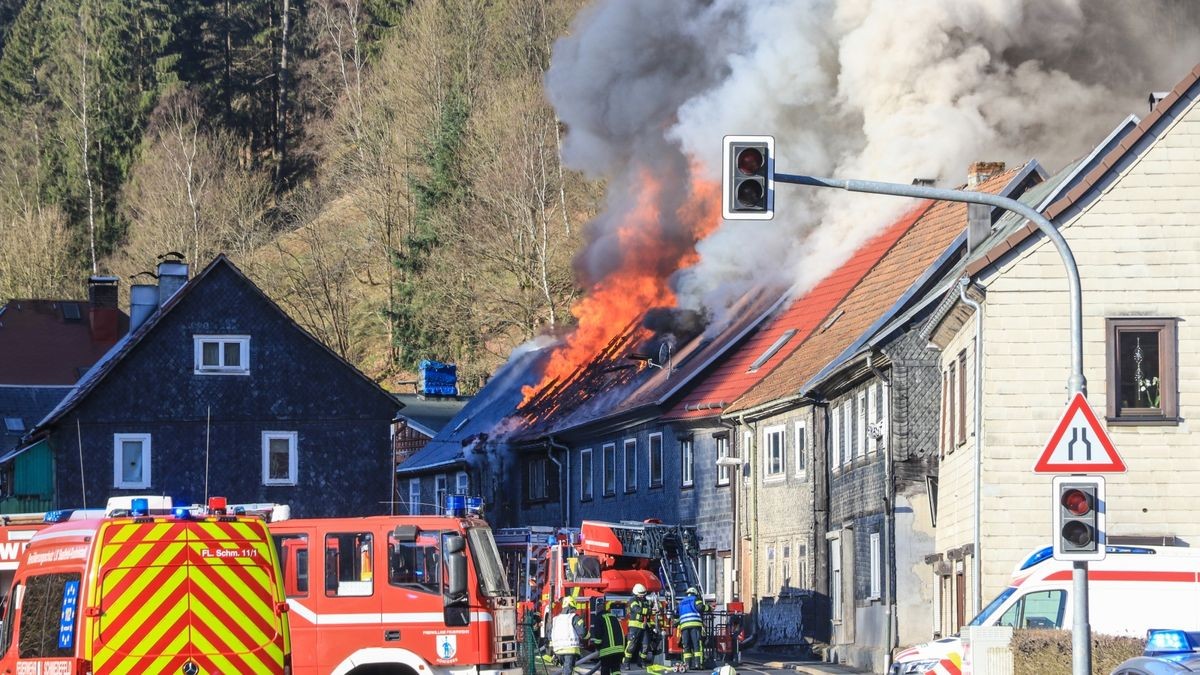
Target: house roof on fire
788	329
921	244
129	342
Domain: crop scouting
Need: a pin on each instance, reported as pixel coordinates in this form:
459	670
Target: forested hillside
387	170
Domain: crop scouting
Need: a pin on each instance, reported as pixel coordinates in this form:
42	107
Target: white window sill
214	371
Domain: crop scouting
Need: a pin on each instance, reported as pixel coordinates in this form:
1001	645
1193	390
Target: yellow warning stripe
227	612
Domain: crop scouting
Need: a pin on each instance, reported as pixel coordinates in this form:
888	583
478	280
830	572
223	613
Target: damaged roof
788	329
52	341
909	259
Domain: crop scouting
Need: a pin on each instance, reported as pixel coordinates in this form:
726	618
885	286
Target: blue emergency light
59	516
1161	641
456	506
474	506
139	506
183	512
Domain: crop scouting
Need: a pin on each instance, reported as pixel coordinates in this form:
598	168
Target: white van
1133	589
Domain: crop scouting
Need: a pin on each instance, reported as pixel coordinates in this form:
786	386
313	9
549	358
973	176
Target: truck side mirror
457	611
456	559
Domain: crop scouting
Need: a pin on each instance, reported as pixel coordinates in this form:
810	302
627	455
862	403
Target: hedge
1048	652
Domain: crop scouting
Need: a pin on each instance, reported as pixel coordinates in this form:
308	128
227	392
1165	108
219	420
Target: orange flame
639	284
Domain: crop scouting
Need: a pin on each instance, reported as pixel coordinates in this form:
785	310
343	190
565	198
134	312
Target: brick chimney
979	216
978	172
103	316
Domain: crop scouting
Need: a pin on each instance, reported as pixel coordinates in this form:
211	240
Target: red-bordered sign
1079	444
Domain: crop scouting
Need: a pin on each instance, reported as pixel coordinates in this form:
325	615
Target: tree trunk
281	98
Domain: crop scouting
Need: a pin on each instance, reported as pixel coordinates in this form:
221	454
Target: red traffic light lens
1079	534
749	161
1076	502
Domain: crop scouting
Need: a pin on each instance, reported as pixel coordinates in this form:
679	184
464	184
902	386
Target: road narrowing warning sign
1079	444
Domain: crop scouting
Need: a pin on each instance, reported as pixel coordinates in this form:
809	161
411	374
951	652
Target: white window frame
774	445
770	558
835	578
802	565
441	488
629	451
801	438
876	578
873	394
835	437
884	395
462	483
687	462
292	438
848	451
118	479
860	445
650	452
723	472
198	342
605	450
414	496
587	479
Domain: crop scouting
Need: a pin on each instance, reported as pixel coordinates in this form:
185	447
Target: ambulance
193	591
397	595
1134	589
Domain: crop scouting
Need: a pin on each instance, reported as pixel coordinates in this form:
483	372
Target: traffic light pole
1081	638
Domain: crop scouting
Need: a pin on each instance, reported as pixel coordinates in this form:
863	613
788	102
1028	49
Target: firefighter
608	639
691	627
567	634
637	647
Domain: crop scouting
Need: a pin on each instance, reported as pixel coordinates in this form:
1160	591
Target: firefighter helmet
568	602
639	589
692	591
725	670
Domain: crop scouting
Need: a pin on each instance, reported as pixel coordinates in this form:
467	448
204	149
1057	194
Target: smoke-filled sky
875	89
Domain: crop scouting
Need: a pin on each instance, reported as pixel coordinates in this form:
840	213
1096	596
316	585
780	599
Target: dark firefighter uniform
637	647
691	628
609	641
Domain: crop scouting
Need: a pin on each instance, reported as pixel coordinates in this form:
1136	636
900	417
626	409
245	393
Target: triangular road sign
1079	444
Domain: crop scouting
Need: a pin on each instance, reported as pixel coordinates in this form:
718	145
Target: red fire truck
15	532
603	559
397	595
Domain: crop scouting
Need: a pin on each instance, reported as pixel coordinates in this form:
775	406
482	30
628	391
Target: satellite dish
664	355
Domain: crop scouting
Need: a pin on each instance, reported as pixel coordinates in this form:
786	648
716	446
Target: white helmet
725	670
639	589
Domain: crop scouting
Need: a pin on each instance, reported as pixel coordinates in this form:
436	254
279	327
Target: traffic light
748	175
1079	508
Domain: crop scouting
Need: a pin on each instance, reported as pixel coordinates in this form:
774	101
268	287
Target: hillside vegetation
387	170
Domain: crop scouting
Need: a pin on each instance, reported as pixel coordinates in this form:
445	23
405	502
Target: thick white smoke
874	89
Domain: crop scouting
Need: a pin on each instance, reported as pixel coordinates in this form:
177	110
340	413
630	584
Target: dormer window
222	354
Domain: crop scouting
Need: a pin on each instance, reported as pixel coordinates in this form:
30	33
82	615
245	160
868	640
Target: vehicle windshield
492	579
993	606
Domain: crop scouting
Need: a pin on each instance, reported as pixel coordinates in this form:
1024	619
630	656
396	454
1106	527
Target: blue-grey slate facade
207	430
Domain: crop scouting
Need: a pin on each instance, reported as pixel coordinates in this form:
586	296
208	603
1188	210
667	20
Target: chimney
103	315
143	300
1156	97
981	171
172	275
979	224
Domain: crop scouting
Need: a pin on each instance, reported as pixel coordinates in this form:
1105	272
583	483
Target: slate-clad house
45	346
216	391
841	523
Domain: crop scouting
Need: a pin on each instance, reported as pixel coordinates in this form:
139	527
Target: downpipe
736	543
889	500
564	478
976	566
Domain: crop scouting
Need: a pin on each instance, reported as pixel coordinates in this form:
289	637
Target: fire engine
603	559
181	590
16	530
398	595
